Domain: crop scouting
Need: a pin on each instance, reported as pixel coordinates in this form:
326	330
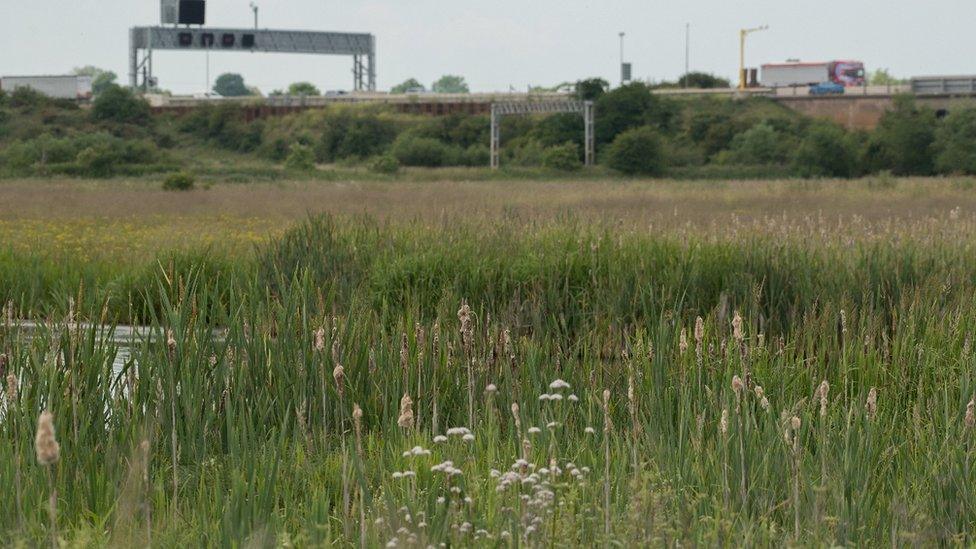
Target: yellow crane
742	53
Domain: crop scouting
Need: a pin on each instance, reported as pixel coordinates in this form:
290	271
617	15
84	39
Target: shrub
637	152
411	150
955	143
27	97
117	104
760	144
354	135
300	158
224	125
97	160
385	164
563	157
181	181
622	109
476	155
902	142
825	151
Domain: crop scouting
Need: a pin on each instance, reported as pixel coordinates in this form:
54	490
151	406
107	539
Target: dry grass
137	216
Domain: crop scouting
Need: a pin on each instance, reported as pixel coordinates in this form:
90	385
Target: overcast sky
500	44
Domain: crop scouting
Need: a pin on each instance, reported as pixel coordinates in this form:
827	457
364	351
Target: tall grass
552	396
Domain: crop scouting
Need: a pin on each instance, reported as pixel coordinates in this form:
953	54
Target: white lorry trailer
844	73
58	87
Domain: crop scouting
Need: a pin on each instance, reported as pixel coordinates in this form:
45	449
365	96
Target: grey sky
502	43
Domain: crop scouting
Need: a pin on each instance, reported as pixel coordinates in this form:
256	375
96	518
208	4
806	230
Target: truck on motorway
59	87
796	74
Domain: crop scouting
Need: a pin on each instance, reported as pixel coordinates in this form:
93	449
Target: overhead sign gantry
144	40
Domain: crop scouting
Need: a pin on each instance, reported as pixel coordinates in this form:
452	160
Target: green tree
450	83
638	151
303	88
628	107
902	142
120	105
825	151
407	85
231	85
101	79
702	80
760	144
881	77
591	89
955	143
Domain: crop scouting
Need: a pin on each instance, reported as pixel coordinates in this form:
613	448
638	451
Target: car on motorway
827	88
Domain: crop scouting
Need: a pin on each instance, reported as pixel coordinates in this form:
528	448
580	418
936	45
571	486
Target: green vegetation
181	181
362	383
101	79
406	85
698	136
231	85
637	152
563	157
303	88
450	83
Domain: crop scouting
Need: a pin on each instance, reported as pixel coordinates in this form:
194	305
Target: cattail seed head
682	342
45	443
404	353
822	393
737	386
406	412
607	423
723	424
699	331
319	340
467	329
170	343
871	406
11	388
737	333
339	375
971	414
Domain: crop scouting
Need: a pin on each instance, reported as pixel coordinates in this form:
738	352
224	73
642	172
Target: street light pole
622	34
742	53
687	53
254	8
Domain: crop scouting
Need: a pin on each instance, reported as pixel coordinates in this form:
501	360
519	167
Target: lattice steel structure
584	108
361	46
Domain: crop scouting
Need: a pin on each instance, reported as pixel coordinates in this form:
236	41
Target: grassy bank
498	365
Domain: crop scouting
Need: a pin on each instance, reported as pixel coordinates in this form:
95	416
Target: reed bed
513	383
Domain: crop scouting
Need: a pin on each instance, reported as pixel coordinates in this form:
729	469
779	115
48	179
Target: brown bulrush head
871	406
607	423
319	340
45	443
737	386
683	342
467	329
723	424
339	375
170	343
699	331
406	412
971	414
822	393
357	421
11	388
404	353
737	333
